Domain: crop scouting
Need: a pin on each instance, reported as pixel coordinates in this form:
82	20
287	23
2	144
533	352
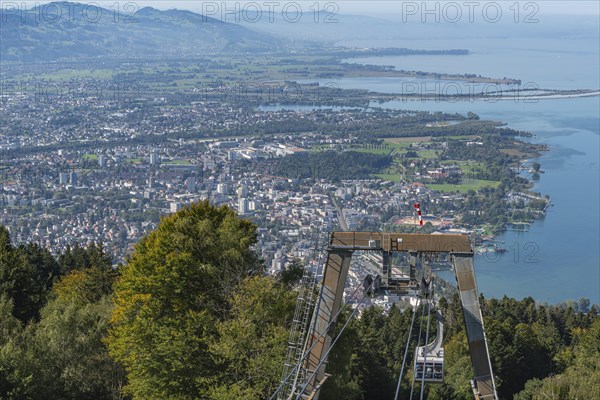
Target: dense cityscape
340	201
121	171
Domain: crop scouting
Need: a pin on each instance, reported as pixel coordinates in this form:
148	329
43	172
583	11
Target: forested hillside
191	316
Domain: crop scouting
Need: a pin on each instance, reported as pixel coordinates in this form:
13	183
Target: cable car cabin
429	359
433	366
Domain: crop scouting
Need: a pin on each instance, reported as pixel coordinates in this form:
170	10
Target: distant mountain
393	29
74	31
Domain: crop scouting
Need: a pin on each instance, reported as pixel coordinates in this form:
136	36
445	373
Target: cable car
429	359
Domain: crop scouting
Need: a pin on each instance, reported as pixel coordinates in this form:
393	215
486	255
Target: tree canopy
192	316
178	310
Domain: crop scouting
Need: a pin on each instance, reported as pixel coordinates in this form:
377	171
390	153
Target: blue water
558	258
556	63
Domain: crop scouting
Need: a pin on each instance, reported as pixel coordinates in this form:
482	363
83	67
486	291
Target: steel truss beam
335	273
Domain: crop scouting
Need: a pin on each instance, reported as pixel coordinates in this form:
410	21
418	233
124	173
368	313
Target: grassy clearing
467	167
91	157
390	177
462	137
463	187
323	147
404	143
513	152
382	150
414	139
399	147
426	154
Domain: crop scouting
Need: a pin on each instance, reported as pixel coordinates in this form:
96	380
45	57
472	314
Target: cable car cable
425	351
406	349
412	386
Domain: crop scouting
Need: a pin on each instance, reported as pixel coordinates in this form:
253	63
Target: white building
175	206
154	158
222	188
242	192
243	206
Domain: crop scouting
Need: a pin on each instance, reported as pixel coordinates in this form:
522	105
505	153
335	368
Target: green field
467	167
382	150
322	147
426	153
389	177
464	187
69	74
405	142
400	146
91	157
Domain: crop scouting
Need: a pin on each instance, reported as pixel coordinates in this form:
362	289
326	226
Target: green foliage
366	361
526	341
78	257
11	379
581	380
61	356
527	344
172	297
89	275
343	383
69	359
51	333
332	165
193	318
27	273
250	345
458	371
292	274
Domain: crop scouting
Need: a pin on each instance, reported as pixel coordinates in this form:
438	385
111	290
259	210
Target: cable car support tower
304	379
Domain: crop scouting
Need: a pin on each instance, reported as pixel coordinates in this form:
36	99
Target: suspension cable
307	352
323	358
412	386
425	351
406	349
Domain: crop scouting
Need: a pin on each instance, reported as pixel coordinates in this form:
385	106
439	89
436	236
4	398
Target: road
343	223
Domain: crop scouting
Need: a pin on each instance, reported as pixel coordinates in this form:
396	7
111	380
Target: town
122	170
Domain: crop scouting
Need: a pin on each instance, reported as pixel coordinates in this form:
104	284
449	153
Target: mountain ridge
61	31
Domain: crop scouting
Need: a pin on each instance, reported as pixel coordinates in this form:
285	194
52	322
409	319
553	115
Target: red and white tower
417	207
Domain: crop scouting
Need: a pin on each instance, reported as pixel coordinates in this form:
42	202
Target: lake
558	258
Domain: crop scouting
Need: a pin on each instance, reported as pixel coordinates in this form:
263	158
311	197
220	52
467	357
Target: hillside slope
74	31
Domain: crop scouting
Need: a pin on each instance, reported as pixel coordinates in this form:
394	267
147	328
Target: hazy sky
368	7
